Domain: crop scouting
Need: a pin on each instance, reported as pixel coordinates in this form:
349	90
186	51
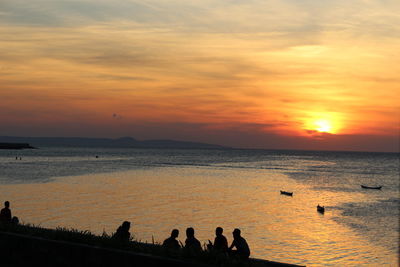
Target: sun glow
323	123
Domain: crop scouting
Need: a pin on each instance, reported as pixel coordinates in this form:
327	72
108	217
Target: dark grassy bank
23	245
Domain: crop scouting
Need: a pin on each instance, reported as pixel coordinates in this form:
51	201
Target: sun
323	126
323	122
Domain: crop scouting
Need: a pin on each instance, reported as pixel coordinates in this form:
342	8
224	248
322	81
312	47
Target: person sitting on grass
242	248
122	234
191	242
171	242
15	220
5	213
220	242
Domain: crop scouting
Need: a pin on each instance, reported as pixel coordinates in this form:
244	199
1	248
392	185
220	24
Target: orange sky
256	73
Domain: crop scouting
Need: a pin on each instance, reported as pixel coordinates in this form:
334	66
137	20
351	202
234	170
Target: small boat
371	187
320	209
286	193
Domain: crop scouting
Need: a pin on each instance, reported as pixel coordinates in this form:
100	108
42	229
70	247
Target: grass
106	241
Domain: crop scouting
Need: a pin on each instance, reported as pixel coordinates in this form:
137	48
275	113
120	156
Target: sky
278	74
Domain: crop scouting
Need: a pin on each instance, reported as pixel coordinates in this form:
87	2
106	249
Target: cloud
60	13
262	65
301	19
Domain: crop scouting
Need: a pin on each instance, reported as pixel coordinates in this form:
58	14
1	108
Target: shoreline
26	245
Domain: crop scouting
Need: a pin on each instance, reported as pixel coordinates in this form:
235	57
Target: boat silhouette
371	187
320	209
286	193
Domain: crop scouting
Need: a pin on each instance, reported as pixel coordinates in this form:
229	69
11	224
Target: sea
157	190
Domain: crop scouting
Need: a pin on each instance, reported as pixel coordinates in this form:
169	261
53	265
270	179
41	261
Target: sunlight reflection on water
277	227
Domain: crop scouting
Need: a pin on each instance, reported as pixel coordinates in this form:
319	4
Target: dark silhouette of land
123	142
15	146
29	245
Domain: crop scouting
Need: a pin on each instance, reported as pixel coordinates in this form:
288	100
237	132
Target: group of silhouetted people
192	244
220	244
5	215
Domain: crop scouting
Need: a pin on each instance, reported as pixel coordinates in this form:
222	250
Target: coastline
23	245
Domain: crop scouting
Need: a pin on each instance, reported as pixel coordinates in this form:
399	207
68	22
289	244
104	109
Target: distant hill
127	142
15	146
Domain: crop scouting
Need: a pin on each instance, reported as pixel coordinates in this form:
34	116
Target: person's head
236	233
175	233
219	231
190	232
7	204
15	220
126	225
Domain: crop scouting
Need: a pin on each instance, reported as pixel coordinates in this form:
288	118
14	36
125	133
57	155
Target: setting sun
126	68
323	125
323	122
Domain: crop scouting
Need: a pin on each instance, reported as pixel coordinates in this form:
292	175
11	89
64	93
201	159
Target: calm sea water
159	190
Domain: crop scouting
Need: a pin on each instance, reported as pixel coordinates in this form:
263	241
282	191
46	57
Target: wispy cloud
264	65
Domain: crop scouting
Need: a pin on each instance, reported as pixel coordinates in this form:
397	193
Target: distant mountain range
15	146
124	142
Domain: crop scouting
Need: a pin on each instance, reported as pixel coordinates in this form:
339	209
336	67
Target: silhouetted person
122	234
15	220
191	242
171	242
5	213
242	249
220	242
